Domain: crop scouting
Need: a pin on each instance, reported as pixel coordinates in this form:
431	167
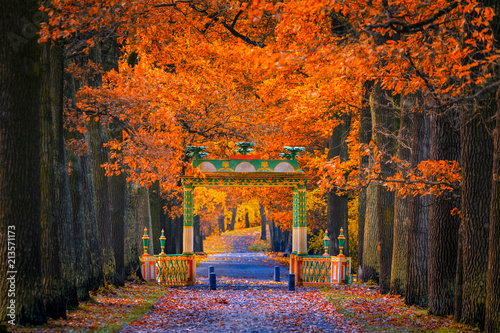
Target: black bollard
211	269
213	284
291	282
277	273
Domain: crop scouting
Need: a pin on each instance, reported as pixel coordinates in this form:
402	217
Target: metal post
277	273
213	283
291	282
211	269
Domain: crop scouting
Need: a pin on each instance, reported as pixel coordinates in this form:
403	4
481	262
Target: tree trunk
398	268
273	234
370	260
337	205
222	222
418	225
234	211
20	188
57	226
99	157
263	220
156	209
88	266
198	237
383	120
247	220
173	226
443	227
137	217
492	321
117	195
477	162
365	136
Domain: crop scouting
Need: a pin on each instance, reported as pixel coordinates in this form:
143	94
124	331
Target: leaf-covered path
246	300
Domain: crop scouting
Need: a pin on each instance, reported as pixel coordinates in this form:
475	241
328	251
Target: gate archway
241	171
249	172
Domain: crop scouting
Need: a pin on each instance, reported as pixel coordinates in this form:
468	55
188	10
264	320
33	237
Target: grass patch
260	246
364	306
109	310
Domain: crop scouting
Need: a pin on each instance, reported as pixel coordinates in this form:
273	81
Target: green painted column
187	244
295	219
301	220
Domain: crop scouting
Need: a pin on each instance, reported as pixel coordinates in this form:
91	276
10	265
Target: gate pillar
295	219
187	244
301	220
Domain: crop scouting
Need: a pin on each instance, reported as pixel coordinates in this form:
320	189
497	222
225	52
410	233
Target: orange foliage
276	73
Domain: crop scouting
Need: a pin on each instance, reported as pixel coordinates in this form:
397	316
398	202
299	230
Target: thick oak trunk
337	205
365	136
370	260
398	268
418	214
20	84
99	157
443	227
383	119
492	320
57	227
477	163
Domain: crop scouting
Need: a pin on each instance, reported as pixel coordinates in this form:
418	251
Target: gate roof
245	171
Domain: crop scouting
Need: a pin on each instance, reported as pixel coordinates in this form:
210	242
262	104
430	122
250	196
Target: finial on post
162	243
326	241
341	242
244	147
292	152
145	240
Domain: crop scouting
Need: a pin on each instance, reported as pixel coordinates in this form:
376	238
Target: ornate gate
248	170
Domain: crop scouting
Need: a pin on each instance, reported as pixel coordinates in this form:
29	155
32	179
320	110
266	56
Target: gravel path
247	299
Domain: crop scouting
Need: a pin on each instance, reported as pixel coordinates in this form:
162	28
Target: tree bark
398	268
337	205
365	136
477	163
247	220
383	119
222	222
492	319
99	157
418	225
57	227
370	260
263	220
117	195
156	209
198	238
443	227
20	188
234	212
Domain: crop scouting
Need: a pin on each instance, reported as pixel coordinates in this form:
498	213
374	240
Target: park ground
247	299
